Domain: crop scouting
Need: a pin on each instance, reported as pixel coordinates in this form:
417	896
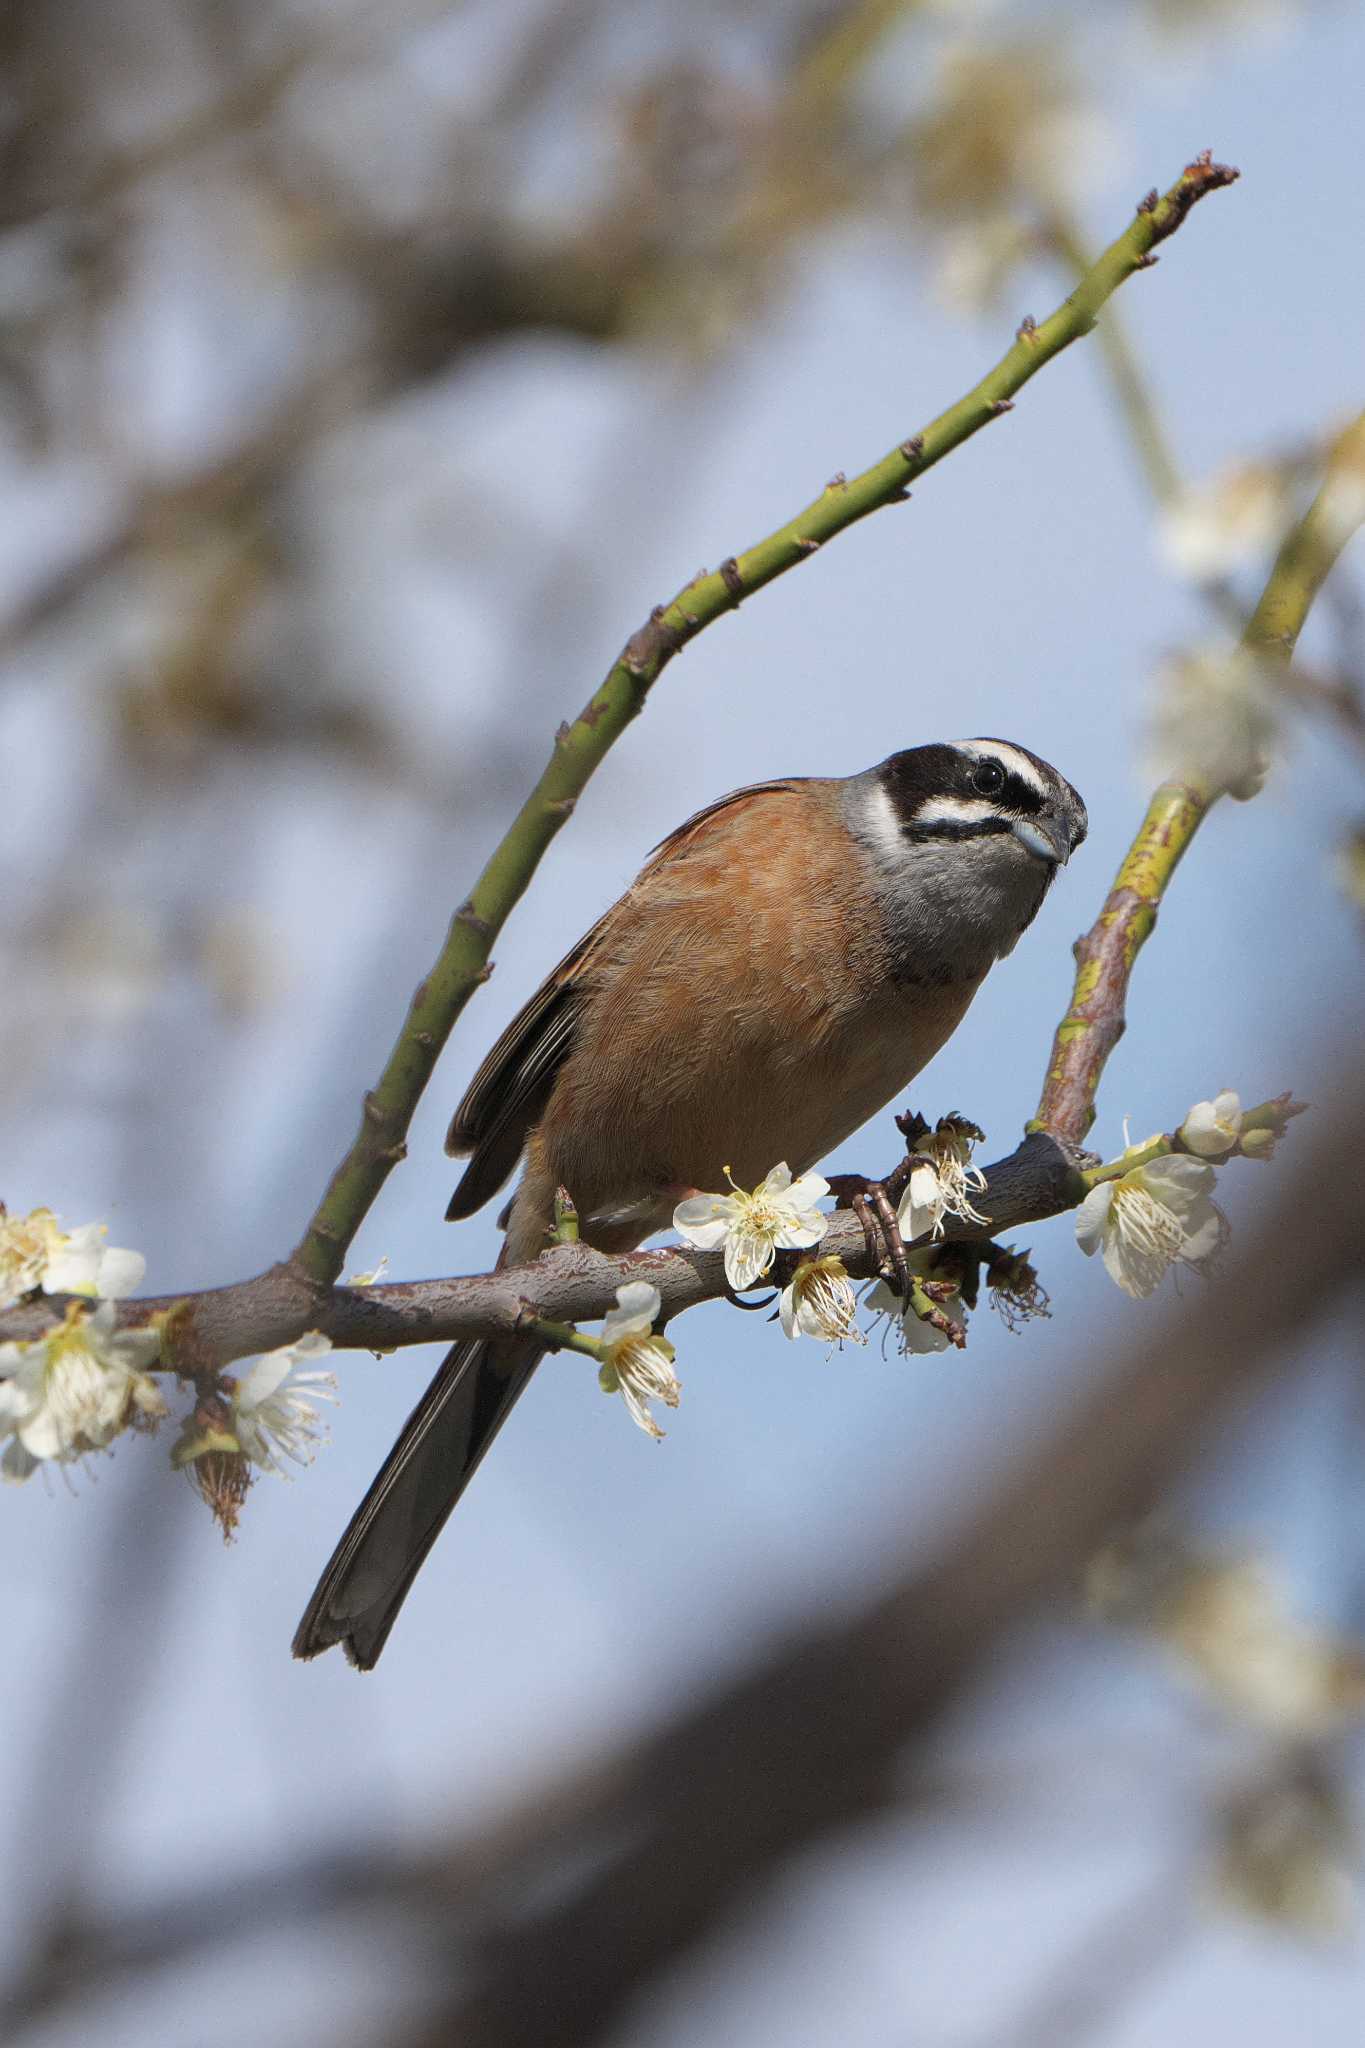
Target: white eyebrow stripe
1008	757
954	810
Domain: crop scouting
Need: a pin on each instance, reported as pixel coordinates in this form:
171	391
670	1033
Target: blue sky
590	1576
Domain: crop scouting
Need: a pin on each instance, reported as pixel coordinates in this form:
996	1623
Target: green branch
463	962
1105	957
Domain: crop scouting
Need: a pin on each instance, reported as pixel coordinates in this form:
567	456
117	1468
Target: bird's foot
873	1202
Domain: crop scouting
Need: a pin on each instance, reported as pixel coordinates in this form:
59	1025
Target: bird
784	964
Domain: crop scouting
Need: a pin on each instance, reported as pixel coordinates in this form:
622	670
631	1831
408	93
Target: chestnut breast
743	1007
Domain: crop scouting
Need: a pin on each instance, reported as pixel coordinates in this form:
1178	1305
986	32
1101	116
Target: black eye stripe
955	828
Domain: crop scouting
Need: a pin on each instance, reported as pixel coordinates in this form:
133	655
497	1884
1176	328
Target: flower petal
704	1220
786	1311
1176	1182
1092	1216
805	1227
640	1298
1212	1128
748	1256
119	1273
1206	1232
807	1191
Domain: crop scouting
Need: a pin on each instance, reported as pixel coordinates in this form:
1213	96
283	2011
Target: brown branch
570	1283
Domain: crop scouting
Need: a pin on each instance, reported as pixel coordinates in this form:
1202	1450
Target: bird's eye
988	778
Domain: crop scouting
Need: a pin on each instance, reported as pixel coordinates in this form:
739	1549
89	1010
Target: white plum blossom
274	1411
1213	1129
819	1301
1152	1218
639	1362
779	1215
924	1204
74	1389
941	1181
36	1252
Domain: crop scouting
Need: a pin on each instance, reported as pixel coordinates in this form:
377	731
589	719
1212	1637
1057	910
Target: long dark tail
366	1582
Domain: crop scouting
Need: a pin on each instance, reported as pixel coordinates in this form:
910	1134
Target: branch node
838	482
467	914
913	449
803	545
1148	201
1001	405
731	578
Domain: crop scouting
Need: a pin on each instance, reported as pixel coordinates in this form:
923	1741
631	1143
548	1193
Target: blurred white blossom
1286	1854
639	1362
1212	529
1215	721
1231	1621
779	1215
1007	125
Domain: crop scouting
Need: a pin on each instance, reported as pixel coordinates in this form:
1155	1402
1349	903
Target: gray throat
951	908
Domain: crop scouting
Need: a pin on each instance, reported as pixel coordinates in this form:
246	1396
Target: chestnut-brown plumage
785	963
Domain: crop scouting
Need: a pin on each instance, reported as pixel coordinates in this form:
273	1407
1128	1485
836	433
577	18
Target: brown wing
508	1094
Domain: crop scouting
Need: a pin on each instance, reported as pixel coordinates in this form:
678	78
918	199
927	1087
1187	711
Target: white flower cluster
78	1386
780	1214
1161	1213
74	1390
85	1380
36	1253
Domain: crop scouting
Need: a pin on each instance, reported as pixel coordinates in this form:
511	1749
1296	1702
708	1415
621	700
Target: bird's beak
1047	836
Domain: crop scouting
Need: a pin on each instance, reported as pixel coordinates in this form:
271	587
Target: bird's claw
872	1203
